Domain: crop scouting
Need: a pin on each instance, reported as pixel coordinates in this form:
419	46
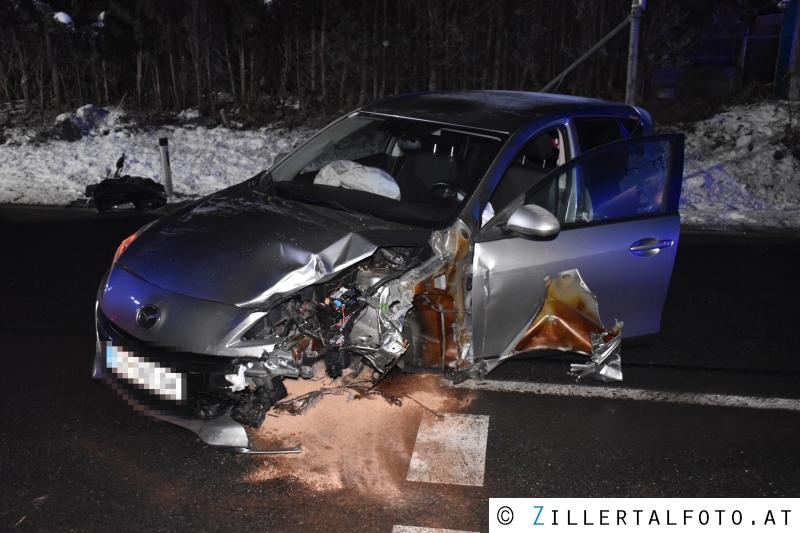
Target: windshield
405	171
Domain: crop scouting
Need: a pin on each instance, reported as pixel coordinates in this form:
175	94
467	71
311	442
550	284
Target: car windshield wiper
263	183
267	184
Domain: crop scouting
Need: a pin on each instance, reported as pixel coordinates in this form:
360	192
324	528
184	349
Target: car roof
498	111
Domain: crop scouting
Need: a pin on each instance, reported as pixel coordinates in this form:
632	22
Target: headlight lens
121	248
127	242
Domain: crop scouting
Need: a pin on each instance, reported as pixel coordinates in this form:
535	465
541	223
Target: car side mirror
280	157
533	221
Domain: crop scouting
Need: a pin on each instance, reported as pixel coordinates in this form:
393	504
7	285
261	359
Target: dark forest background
330	55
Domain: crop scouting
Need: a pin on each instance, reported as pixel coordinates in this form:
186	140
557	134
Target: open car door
618	209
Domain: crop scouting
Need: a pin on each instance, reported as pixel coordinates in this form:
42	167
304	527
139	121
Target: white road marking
614	393
412	529
450	450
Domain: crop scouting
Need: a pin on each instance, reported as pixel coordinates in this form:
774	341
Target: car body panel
187	324
508	278
245	248
630	281
498	111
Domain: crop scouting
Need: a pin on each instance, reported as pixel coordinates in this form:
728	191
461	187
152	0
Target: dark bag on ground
143	193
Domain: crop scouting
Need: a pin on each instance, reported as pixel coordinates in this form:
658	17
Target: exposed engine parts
336	321
336	361
367	315
331	322
401	302
246	395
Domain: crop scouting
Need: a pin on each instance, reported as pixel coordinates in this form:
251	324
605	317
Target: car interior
569	195
534	162
435	167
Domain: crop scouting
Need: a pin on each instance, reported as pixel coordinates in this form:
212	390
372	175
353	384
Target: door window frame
623	130
494	230
567	150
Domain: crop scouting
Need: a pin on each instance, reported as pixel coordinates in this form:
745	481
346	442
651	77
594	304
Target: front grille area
108	331
205	374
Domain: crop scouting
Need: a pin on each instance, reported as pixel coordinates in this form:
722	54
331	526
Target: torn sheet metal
569	321
435	336
606	361
567	318
358	316
255	249
436	291
377	309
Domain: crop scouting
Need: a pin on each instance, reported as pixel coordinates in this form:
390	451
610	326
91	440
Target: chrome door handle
650	246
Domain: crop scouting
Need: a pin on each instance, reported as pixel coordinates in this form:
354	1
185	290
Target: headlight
124	244
121	248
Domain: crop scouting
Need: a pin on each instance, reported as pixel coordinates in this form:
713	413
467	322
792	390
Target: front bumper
176	369
192	380
185	324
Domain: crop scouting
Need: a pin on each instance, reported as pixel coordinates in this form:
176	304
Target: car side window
622	182
537	158
594	132
631	127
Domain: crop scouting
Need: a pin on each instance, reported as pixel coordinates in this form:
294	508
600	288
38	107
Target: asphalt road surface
696	416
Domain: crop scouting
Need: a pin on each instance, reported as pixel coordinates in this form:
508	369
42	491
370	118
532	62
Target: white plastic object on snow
63	18
238	381
351	175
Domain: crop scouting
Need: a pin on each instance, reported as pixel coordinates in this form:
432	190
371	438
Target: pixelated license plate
147	374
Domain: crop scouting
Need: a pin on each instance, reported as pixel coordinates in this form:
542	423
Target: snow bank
738	173
202	160
63	18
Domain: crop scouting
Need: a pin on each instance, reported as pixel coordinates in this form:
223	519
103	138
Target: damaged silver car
441	232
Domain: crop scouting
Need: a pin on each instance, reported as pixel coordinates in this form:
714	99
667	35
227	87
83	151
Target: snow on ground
737	175
63	18
203	160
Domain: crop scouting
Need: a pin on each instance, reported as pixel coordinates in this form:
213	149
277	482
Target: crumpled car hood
242	247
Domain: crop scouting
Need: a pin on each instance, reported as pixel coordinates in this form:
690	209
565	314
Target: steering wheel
449	190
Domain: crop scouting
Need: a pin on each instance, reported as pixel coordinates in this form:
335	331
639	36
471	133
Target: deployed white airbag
351	175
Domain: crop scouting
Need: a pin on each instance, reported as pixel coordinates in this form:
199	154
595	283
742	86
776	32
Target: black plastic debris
143	193
336	361
248	406
252	405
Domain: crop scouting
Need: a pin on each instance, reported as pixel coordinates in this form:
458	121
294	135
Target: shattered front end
212	367
212	396
215	367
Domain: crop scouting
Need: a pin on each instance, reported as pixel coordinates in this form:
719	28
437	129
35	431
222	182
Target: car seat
535	161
